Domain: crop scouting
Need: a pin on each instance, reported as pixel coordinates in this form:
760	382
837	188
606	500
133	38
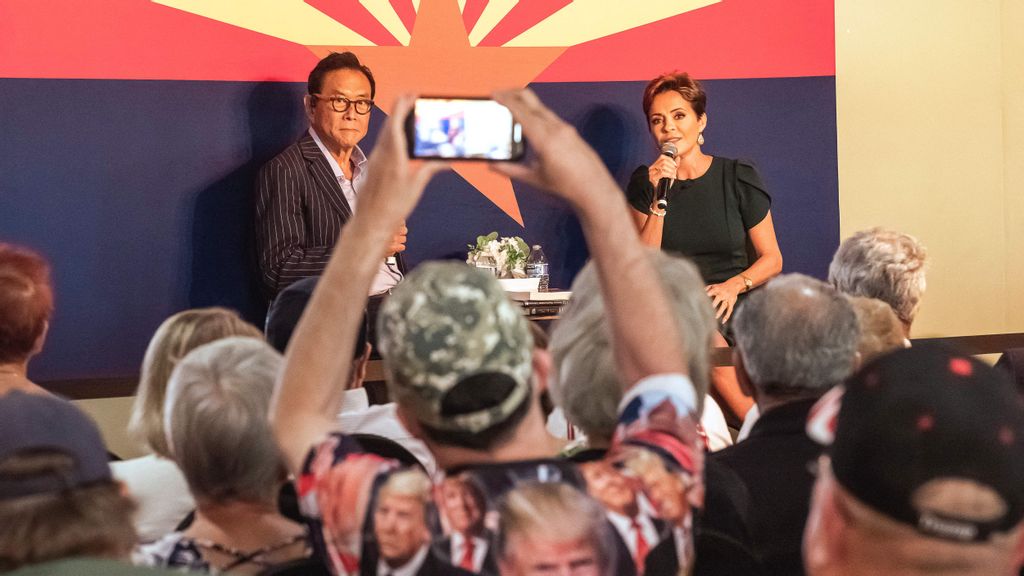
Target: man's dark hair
286	310
337	61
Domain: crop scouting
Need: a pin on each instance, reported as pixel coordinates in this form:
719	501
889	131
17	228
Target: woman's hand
663	167
723	297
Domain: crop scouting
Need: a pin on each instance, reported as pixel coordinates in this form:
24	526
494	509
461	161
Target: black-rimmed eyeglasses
342	104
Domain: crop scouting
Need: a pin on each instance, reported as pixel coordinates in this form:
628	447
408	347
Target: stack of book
536	303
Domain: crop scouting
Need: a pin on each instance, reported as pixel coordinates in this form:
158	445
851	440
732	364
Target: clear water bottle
537	267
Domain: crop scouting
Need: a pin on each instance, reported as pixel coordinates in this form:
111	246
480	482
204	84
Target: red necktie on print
642	547
467	556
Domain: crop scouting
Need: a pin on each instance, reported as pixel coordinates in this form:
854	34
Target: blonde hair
175	338
880	329
410	483
553	511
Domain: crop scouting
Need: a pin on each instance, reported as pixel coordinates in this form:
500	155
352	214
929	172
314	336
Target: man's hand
398	241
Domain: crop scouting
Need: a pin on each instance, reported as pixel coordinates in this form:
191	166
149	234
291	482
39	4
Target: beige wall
929	110
111	414
1013	153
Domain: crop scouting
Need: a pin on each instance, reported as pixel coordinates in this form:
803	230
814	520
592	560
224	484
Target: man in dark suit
470	544
636	531
401	535
795	339
306	193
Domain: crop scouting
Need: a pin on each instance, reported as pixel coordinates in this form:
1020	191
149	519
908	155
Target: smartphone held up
463	129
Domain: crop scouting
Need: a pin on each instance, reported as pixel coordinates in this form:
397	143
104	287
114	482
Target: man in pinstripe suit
306	193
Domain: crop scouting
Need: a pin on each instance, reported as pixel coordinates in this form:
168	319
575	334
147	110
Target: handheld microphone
667	149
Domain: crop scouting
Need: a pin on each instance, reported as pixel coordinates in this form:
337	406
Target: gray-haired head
584	382
216	417
796	336
882	264
448	326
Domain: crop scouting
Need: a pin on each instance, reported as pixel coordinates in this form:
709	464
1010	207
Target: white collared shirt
459	547
387	276
358	416
408	569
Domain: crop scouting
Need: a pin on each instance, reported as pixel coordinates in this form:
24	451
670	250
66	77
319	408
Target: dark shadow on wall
607	130
224	270
604	127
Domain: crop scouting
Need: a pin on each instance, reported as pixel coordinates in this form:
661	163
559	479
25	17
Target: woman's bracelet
656	212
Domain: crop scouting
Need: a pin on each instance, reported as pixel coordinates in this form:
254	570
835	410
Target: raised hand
395	183
567	167
663	167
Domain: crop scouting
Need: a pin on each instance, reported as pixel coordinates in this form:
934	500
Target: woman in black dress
718	212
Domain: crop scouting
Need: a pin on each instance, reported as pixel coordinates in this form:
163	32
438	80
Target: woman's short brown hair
26	302
680	82
93	521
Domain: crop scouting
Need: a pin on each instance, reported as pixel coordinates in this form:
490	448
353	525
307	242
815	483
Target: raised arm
305	402
569	168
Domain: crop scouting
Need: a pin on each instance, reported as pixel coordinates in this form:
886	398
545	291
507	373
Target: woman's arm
651	223
767	265
766	247
629	282
650	226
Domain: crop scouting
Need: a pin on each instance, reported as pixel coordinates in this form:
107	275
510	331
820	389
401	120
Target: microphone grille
669	148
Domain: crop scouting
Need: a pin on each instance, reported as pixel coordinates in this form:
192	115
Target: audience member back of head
796	338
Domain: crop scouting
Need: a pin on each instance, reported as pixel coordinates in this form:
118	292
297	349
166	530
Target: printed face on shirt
339	130
399	523
462	505
528	556
608	486
672	119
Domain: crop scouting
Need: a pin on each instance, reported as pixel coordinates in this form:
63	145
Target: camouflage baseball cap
446	324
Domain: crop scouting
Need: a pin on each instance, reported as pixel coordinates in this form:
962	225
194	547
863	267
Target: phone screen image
464	128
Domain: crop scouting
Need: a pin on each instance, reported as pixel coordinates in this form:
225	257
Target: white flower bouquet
506	255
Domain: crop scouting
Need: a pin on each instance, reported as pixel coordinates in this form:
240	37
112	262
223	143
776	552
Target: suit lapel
322	174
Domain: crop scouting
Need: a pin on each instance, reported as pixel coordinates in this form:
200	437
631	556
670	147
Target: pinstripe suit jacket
300	210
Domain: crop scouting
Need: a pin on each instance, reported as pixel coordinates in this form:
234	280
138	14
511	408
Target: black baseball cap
35	423
918	423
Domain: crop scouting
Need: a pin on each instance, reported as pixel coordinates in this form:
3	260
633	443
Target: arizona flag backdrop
131	131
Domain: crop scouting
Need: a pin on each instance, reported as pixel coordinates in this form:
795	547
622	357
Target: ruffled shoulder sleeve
751	194
639	192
